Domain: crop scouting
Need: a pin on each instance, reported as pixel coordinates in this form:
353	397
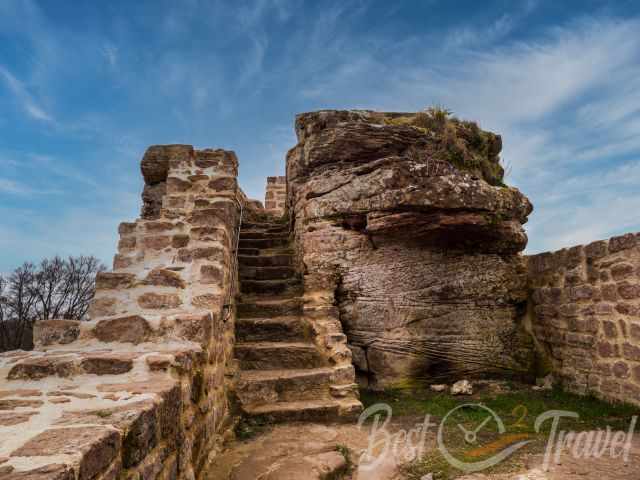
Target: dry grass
461	143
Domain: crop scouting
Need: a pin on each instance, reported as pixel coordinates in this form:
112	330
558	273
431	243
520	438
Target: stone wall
585	315
140	390
275	198
416	257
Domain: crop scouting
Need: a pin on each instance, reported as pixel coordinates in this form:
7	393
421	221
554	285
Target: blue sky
86	86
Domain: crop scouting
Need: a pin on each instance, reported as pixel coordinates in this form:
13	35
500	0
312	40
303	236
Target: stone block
607	349
52	332
622	242
97	446
628	291
621	271
582	292
156	242
209	301
628	309
41	367
127	228
130	329
211	274
107	364
609	292
159	362
222	184
631	352
159	301
127	244
610	329
114	280
161	277
178	185
122	261
621	370
596	249
196	328
158	226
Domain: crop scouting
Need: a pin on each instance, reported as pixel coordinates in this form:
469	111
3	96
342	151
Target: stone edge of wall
585	316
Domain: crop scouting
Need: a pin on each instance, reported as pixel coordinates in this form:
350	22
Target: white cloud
110	53
24	97
12	187
565	102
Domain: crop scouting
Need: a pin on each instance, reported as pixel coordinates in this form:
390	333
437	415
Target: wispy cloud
565	101
61	169
31	107
563	92
13	187
110	53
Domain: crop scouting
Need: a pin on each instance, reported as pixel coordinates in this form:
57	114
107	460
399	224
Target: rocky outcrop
407	236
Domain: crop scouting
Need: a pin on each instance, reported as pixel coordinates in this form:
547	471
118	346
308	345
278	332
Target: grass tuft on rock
462	143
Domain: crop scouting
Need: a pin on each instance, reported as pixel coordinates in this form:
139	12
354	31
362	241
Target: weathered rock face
402	221
585	315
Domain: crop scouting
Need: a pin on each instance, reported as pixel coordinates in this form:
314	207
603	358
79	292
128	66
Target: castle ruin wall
585	316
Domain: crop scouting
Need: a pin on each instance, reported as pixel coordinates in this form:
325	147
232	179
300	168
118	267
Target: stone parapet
139	390
275	198
585	316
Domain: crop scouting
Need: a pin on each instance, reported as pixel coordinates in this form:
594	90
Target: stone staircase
284	375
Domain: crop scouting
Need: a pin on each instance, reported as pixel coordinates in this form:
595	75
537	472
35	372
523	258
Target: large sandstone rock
404	222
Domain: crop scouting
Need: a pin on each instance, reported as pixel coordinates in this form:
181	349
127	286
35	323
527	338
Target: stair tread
267	267
292	406
270	300
265	227
268	320
258	345
262	375
271	281
261	235
248	236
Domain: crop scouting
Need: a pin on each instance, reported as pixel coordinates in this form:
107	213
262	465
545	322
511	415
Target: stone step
278	260
263	243
251	307
271	287
265	251
248	252
266	273
321	410
278	329
264	226
257	387
254	234
278	355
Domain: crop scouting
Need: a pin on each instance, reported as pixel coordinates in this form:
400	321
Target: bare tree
56	288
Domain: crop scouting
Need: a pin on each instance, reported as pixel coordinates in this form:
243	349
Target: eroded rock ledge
404	223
